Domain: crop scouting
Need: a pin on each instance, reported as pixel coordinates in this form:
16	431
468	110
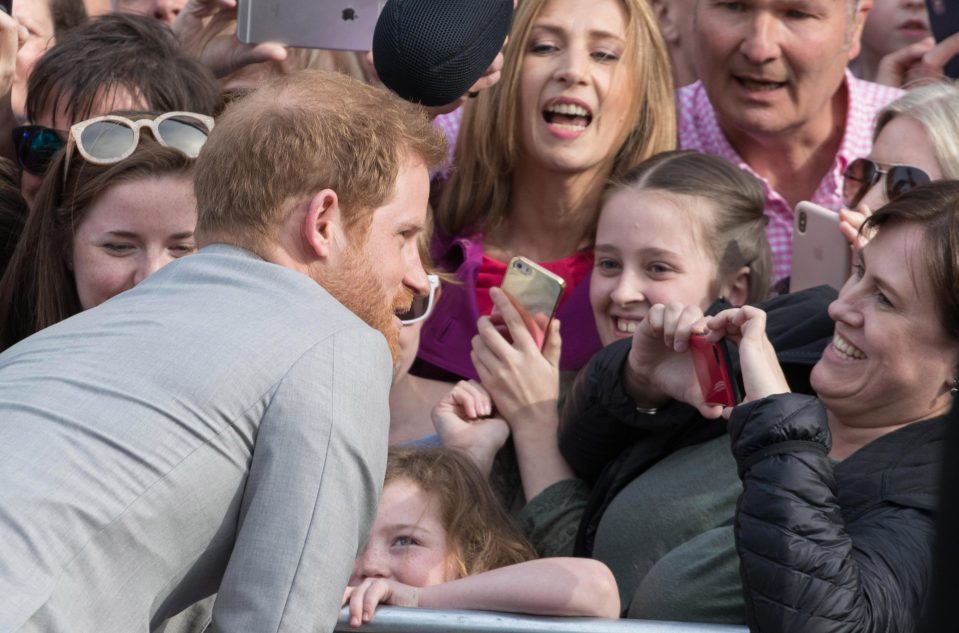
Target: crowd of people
257	367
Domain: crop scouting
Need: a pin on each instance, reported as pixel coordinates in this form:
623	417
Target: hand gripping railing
402	620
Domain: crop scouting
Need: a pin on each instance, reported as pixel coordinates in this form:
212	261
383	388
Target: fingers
940	54
364	597
673	322
554	343
473	399
736	323
521	326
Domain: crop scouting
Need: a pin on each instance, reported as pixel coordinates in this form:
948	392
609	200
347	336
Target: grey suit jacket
220	427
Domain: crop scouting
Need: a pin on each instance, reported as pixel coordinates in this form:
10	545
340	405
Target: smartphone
711	362
944	21
534	292
821	255
333	24
6	6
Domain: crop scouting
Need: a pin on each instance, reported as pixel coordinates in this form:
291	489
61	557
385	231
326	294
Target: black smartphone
7	6
944	21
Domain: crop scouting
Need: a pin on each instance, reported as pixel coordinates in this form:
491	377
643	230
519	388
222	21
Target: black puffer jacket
827	548
608	444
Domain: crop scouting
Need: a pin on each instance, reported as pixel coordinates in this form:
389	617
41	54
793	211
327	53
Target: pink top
572	269
699	130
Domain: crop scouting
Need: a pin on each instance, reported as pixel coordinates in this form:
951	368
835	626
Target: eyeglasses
863	173
109	139
36	145
422	304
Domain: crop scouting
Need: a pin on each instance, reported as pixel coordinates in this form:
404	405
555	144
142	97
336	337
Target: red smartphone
534	292
711	362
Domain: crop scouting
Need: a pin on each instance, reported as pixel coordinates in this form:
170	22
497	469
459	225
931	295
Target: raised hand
463	422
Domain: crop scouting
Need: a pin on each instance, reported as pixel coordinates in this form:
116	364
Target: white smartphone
333	24
821	255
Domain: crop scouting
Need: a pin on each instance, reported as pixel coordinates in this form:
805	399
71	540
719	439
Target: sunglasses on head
863	173
422	304
104	140
36	145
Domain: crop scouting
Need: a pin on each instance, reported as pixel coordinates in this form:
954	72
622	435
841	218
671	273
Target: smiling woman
103	221
585	94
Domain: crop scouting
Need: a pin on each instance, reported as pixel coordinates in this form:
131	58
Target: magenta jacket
447	335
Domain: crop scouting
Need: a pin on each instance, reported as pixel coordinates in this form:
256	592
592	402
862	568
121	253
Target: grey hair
936	108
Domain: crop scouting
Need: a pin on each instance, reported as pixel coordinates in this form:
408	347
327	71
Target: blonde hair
297	135
480	532
477	196
936	108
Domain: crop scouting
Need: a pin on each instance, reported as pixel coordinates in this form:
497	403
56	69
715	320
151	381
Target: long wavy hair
477	195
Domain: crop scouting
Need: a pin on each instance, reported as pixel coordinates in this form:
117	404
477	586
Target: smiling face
575	91
902	141
408	542
890	361
772	66
893	24
649	249
131	231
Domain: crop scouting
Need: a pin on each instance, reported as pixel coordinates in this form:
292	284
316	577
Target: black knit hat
432	51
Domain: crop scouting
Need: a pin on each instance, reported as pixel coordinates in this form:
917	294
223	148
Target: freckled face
408	542
131	231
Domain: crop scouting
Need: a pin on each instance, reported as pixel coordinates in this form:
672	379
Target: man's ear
863	7
666	17
321	225
736	286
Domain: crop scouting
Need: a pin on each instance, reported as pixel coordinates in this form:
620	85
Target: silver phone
821	255
333	24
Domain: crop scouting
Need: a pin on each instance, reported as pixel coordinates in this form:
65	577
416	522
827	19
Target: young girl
441	540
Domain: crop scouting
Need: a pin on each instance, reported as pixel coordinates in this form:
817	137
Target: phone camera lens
802	221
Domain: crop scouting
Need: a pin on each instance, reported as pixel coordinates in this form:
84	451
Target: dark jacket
827	548
609	444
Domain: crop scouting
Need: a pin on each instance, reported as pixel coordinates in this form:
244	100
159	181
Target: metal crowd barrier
403	620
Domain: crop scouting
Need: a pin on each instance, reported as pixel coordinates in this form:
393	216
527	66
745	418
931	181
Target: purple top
447	336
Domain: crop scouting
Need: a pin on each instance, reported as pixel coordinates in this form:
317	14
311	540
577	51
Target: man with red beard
222	426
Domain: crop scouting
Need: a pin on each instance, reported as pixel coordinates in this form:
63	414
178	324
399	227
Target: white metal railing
403	620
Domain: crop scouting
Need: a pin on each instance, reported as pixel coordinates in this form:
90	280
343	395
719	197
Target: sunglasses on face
862	174
109	139
422	304
36	145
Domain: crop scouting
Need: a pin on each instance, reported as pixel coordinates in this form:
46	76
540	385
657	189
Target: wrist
646	397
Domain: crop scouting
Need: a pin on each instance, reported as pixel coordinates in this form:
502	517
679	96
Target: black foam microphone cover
432	51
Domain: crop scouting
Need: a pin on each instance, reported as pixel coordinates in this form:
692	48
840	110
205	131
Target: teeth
626	326
568	109
846	349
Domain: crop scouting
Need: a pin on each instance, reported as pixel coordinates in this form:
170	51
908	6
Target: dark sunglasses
863	173
422	304
36	145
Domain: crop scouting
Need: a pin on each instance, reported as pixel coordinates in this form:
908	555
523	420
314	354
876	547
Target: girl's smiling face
650	248
408	542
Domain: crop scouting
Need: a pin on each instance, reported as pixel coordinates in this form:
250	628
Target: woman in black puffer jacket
835	523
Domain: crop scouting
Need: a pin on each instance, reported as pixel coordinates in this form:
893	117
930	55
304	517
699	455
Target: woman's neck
550	215
849	435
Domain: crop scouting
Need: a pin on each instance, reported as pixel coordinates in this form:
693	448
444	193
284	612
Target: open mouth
914	27
567	115
845	349
759	85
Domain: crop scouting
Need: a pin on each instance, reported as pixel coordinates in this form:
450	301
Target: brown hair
477	195
13	211
66	15
297	135
935	208
737	234
117	52
37	289
481	535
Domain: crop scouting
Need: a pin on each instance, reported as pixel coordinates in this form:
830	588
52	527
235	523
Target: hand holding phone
944	22
711	362
534	292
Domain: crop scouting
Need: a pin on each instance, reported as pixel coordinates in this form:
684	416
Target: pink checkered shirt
699	130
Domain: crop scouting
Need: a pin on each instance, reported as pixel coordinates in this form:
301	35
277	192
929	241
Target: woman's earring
955	387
